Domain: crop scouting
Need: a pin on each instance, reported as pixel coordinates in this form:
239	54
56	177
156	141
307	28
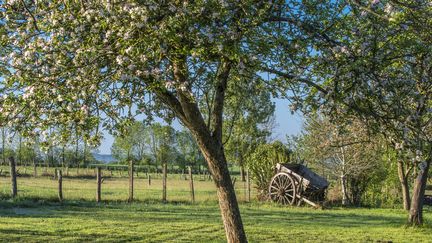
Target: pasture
36	215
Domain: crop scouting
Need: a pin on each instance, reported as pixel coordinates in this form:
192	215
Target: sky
286	124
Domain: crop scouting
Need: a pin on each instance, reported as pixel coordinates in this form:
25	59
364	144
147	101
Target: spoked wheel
282	189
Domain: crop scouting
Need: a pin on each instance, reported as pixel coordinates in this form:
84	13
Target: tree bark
13	176
34	168
4	145
416	210
209	140
345	200
242	173
225	190
248	186
403	179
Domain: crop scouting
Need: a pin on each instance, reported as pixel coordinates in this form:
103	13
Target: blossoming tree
377	66
83	65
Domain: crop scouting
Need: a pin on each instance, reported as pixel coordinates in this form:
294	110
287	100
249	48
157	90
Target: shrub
261	164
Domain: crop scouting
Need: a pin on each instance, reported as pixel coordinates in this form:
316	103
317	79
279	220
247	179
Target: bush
261	164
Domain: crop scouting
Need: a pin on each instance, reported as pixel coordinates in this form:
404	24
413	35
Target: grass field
36	216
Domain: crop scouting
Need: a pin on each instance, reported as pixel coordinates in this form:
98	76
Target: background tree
261	163
380	72
189	151
342	149
367	59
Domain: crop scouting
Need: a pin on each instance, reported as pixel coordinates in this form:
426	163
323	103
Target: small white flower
27	55
119	60
85	109
374	2
129	50
388	8
169	84
183	87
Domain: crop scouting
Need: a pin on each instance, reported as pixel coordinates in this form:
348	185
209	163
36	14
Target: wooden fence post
248	186
13	176
131	180
164	182
191	183
149	179
60	185
99	182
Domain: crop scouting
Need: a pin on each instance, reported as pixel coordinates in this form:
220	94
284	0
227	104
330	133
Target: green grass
115	187
36	216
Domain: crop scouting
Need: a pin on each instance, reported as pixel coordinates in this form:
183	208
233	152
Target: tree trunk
209	140
403	179
13	176
34	168
226	195
248	198
242	173
4	145
416	210
215	157
345	200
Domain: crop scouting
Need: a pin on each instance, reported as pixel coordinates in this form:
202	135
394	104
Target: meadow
36	215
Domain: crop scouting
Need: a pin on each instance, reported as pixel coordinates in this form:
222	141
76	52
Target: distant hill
104	158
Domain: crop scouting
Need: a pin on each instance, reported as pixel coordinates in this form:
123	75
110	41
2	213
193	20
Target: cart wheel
282	189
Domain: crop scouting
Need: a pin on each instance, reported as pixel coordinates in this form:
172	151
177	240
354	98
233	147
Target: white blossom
169	84
85	109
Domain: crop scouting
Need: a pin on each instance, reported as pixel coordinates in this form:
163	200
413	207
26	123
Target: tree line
29	151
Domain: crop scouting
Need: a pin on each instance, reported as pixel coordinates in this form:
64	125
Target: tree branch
307	27
33	17
218	105
293	77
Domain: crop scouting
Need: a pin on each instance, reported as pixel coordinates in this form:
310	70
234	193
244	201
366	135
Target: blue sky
287	124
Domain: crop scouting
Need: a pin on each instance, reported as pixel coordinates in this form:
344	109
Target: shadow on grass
178	211
24	235
7	202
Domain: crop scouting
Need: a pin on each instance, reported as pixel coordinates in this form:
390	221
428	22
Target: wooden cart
295	183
